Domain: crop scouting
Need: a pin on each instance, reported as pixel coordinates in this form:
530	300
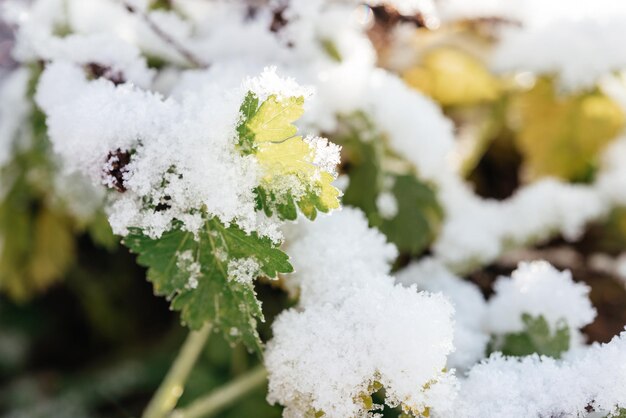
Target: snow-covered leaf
537	337
194	273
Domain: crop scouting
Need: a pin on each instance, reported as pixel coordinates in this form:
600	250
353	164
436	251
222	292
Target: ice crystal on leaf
243	270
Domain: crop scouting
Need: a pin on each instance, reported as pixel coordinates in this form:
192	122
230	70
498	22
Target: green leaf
101	233
419	215
246	136
287	209
161	5
537	338
331	49
365	174
228	304
621	413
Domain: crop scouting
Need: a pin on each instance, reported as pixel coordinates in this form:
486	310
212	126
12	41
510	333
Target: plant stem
167	38
224	396
167	395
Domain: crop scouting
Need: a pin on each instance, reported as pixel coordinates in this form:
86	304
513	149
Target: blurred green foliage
418	214
37	239
537	337
100	344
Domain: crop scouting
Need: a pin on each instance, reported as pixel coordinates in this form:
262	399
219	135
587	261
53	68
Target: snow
243	270
476	230
470	308
538	289
535	386
578	42
319	249
353	327
579	52
378	333
387	205
413	124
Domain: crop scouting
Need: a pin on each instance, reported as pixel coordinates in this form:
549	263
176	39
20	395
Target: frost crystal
326	153
186	262
243	270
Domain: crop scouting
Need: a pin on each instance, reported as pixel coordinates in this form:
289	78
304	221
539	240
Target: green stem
167	395
224	396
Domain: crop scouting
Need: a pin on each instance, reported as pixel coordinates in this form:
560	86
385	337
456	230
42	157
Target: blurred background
81	332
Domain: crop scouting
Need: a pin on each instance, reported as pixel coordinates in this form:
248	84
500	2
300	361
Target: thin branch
224	396
172	387
167	38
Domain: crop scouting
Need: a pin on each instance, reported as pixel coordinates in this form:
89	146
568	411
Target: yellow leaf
453	77
563	135
329	195
53	250
272	121
292	156
36	253
288	162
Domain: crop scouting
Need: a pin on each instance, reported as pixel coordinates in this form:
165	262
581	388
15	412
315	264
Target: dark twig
167	38
389	16
115	168
278	19
96	70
